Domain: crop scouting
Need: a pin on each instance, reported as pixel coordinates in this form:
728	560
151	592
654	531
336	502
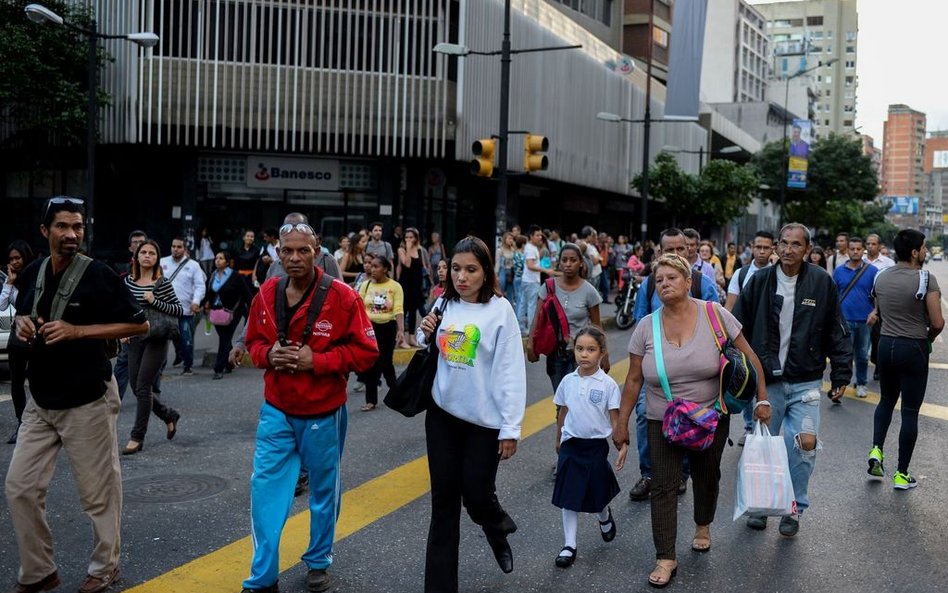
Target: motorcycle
625	300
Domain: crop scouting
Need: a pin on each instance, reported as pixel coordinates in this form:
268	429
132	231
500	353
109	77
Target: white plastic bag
764	487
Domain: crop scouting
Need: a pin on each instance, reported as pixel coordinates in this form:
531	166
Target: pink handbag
221	316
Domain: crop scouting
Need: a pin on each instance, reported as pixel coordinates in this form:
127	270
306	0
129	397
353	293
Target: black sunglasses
61	200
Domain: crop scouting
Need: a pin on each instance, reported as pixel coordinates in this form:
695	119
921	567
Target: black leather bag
161	326
411	393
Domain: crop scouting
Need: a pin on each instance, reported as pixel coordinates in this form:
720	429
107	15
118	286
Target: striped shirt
165	299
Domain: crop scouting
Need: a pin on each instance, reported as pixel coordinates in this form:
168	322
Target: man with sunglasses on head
68	306
309	332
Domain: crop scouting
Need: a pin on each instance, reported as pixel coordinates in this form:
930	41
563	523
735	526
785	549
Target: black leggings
225	335
385	336
903	370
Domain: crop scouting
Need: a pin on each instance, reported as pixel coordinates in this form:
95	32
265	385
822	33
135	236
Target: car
938	256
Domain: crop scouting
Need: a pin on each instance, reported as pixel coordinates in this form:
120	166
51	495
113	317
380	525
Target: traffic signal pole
500	213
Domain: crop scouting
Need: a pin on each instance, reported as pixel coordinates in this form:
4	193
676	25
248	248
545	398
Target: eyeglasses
61	200
300	227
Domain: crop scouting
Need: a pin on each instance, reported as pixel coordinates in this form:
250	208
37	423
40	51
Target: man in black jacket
790	315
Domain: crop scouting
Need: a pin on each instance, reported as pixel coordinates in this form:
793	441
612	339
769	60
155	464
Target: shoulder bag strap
316	305
38	289
720	334
68	285
279	309
741	276
177	270
852	283
657	339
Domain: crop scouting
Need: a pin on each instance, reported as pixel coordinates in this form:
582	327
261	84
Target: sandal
368	407
702	539
663	574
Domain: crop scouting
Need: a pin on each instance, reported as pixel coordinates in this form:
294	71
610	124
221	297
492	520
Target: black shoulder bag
411	393
315	306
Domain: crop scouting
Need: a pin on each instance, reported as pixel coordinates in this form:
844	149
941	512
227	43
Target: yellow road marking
931	410
225	568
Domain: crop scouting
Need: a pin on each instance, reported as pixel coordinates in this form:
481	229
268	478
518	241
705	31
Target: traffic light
483	149
533	145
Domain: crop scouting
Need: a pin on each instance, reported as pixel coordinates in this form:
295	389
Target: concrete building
248	109
936	181
602	18
903	152
735	64
809	34
869	149
635	33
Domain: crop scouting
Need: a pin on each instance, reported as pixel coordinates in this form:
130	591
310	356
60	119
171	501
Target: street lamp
40	14
454	49
701	152
786	99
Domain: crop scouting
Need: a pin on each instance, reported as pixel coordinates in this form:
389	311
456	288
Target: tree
43	74
667	182
725	190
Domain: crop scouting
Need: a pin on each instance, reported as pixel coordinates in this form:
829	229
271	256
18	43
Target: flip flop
662	576
368	407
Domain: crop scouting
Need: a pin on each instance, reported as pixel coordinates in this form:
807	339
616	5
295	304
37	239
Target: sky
900	59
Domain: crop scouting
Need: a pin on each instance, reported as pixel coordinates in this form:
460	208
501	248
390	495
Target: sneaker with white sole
875	462
904	481
861	391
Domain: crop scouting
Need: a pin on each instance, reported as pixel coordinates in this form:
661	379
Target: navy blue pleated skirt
585	482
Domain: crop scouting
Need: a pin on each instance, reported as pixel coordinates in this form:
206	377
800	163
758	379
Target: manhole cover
177	488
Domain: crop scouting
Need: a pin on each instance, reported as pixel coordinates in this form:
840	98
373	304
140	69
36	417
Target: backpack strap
279	309
316	305
741	276
696	283
658	337
67	286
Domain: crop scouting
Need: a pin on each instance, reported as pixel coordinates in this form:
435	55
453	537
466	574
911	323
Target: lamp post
503	133
786	99
701	152
40	14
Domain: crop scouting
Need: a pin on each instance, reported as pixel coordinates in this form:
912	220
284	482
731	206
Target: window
828	92
814	21
816	35
829	79
850	49
829	48
850	35
829	34
660	36
826	122
850	64
848	123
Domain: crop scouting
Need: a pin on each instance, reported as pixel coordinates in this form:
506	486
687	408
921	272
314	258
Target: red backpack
552	327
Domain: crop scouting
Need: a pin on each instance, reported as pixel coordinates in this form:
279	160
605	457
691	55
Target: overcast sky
900	60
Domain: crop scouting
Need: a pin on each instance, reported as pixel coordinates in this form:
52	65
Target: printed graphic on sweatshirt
459	346
381	301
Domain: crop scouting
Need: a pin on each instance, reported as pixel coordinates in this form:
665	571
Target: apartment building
735	65
903	152
822	35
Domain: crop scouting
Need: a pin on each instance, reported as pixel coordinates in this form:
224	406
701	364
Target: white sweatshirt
481	375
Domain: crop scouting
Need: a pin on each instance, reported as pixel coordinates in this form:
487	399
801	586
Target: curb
401	356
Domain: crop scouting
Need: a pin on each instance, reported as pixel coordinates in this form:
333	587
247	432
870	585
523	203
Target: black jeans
903	370
385	336
666	475
225	335
462	461
144	363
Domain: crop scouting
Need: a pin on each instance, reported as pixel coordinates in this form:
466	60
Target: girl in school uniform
589	409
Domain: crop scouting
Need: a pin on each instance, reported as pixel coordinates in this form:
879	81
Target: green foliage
43	76
841	185
721	193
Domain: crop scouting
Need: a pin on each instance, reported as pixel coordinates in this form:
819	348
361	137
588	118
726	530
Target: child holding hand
589	410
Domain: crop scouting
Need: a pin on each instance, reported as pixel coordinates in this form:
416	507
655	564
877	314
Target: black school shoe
565	561
610	534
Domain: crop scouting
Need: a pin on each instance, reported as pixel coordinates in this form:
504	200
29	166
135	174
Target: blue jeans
516	297
184	345
284	443
641	441
796	411
120	370
529	292
860	333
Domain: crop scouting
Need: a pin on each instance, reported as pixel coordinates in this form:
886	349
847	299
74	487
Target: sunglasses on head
301	227
61	200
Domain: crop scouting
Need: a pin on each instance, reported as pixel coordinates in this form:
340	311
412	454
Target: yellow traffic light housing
483	164
533	145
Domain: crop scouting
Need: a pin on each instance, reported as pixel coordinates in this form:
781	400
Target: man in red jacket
308	331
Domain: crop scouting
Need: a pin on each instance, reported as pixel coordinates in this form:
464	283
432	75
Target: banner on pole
684	63
801	134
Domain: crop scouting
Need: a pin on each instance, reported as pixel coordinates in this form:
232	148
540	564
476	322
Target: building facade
936	181
636	34
735	64
903	152
824	35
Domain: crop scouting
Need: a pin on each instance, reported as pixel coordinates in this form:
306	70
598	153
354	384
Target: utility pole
500	211
647	124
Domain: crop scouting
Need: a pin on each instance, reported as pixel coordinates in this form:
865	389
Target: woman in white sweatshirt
479	397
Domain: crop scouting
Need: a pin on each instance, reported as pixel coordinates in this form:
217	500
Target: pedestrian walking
841	255
790	313
120	369
473	421
376	246
384	304
437	289
854	282
225	300
147	354
245	262
530	279
504	264
817	257
519	265
412	264
308	332
908	301
74	402
588	400
206	252
686	364
353	262
189	283
19	256
881	262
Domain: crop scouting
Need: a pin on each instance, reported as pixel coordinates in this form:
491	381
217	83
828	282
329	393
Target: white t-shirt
732	287
530	251
881	263
589	400
787	288
593	254
836	260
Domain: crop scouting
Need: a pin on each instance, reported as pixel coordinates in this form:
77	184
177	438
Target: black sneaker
318	580
274	588
641	489
790	525
758	523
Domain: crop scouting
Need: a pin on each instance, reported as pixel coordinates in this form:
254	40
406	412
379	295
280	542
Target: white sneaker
861	391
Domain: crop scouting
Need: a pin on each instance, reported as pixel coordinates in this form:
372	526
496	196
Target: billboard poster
905	205
801	134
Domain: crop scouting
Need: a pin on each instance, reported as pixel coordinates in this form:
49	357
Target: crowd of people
314	317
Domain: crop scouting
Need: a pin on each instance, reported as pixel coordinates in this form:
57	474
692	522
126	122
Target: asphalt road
186	513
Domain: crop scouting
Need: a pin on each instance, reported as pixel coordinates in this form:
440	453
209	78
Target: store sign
292	173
